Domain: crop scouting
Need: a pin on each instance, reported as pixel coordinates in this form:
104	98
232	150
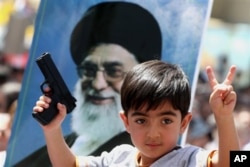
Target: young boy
155	97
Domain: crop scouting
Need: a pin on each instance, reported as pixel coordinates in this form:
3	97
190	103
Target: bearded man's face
98	89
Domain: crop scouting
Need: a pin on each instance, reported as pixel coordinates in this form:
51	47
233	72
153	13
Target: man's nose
99	82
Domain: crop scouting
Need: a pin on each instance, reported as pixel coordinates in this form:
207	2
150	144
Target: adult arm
222	101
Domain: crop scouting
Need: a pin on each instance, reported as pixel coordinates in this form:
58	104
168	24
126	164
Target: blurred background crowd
226	41
16	31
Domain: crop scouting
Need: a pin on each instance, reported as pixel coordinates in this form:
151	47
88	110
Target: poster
181	24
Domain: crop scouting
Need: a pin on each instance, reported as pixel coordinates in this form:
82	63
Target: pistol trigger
46	89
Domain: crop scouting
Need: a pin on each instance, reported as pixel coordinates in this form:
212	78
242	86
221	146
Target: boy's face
155	132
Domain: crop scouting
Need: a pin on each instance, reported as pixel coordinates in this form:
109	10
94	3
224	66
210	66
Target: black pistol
58	90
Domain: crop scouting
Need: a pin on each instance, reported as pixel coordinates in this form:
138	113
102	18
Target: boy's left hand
223	97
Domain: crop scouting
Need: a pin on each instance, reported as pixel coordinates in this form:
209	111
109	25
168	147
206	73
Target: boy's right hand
43	103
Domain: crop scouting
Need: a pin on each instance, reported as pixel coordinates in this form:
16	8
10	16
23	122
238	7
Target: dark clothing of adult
40	158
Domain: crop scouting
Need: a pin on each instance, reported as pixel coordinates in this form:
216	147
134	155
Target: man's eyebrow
89	63
113	63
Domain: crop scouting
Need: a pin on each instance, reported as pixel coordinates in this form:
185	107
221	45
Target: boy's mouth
153	145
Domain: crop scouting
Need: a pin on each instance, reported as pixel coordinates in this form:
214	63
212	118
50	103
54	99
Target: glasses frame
81	71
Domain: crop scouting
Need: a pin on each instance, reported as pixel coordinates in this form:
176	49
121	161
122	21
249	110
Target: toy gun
58	90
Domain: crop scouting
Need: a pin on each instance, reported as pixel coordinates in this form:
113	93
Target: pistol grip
48	114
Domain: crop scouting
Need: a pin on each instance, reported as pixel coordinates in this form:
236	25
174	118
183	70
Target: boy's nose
153	133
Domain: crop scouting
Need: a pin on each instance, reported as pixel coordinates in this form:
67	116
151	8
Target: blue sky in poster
182	23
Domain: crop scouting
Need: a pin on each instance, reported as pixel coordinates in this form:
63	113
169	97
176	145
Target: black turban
126	24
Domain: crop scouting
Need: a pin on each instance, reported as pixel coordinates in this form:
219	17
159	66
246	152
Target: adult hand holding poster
123	33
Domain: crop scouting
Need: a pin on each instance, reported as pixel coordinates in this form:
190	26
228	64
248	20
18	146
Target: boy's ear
124	120
185	122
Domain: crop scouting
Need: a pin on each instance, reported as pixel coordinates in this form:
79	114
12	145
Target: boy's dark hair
153	83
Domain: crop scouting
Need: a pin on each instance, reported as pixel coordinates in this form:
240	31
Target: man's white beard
94	124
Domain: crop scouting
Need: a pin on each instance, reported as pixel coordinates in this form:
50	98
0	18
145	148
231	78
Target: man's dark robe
40	157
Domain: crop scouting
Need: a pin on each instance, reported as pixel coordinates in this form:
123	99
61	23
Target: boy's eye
140	121
167	121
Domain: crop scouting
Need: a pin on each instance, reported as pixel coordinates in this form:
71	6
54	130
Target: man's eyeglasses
112	73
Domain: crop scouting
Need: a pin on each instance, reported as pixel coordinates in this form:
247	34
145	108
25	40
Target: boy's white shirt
126	155
2	157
